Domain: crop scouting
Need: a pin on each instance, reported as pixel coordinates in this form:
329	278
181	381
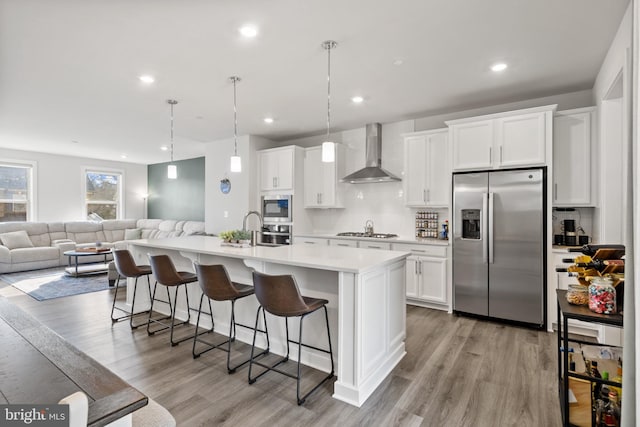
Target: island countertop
349	260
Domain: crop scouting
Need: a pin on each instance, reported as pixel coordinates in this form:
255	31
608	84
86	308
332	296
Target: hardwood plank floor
458	371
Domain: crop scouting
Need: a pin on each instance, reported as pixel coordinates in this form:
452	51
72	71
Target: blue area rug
53	283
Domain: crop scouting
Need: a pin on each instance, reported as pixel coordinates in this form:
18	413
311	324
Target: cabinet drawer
427	250
310	241
374	245
344	243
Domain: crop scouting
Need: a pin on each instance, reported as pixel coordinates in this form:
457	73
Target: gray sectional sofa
36	245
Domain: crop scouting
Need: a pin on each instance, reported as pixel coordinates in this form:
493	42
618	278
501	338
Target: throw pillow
132	233
16	239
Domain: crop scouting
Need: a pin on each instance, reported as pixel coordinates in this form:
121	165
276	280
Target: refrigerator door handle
490	232
484	234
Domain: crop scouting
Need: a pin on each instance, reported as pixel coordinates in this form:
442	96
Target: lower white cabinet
427	279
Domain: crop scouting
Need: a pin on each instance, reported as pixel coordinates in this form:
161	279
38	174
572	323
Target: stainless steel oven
276	208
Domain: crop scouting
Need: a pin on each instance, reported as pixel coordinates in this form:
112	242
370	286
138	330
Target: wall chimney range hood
373	171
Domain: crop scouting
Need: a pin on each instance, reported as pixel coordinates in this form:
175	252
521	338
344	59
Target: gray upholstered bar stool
166	274
127	268
216	285
280	296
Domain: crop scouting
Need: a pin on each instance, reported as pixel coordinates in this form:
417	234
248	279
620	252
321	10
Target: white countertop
351	260
399	239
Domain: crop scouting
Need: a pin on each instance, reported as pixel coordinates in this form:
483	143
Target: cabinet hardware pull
501	154
555	191
415	268
310	243
490	156
424	195
374	247
418	250
342	244
419	268
428	195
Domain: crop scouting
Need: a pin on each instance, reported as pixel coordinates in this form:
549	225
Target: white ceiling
69	68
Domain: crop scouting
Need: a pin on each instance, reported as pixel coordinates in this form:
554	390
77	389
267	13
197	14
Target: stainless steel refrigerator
499	229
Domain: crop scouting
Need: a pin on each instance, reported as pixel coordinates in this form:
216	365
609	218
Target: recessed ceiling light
164	148
248	31
398	62
268	120
123	156
147	79
75	142
500	66
357	99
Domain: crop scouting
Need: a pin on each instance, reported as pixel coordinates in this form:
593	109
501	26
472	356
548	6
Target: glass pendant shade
328	152
236	164
172	171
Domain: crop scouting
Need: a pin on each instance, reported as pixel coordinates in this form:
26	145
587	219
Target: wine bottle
592	249
600	264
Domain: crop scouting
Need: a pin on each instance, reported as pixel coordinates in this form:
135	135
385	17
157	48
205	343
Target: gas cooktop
361	234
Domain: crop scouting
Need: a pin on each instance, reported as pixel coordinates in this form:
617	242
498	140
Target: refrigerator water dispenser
471	224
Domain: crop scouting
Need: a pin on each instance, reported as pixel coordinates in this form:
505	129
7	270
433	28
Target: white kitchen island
365	289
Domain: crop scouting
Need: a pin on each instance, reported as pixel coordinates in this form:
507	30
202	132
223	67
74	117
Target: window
16	191
103	194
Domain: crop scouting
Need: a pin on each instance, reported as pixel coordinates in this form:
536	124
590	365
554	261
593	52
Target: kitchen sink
372	235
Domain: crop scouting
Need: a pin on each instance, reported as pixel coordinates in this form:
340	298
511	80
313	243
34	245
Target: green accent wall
181	198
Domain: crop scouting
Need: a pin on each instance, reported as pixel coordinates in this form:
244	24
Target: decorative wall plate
225	185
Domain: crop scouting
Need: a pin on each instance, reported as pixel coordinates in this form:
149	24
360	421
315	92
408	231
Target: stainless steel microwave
277	208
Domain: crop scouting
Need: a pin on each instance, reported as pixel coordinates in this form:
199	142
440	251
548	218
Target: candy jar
602	295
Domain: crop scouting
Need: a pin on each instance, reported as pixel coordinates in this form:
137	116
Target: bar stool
280	296
127	268
216	285
166	274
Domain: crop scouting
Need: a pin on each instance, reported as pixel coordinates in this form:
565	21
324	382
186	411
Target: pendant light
236	161
172	170
329	147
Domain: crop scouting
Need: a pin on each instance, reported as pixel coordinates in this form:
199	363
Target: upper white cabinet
322	179
276	168
426	166
573	138
506	140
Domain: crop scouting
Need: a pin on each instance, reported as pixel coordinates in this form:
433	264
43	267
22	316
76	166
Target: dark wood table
37	366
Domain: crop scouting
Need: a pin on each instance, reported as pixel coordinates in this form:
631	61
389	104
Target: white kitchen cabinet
344	243
506	140
276	168
472	145
426	166
427	277
573	137
322	179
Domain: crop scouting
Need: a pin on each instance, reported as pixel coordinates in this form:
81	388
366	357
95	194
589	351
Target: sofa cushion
56	231
38	231
34	254
85	232
132	233
191	228
16	239
114	229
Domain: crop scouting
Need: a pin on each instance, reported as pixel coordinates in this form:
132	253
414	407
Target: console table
38	366
568	311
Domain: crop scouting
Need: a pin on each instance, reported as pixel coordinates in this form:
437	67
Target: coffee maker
569	231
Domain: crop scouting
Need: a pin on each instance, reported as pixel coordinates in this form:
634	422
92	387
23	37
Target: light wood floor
457	372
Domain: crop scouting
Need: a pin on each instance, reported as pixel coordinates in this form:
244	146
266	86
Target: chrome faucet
244	221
